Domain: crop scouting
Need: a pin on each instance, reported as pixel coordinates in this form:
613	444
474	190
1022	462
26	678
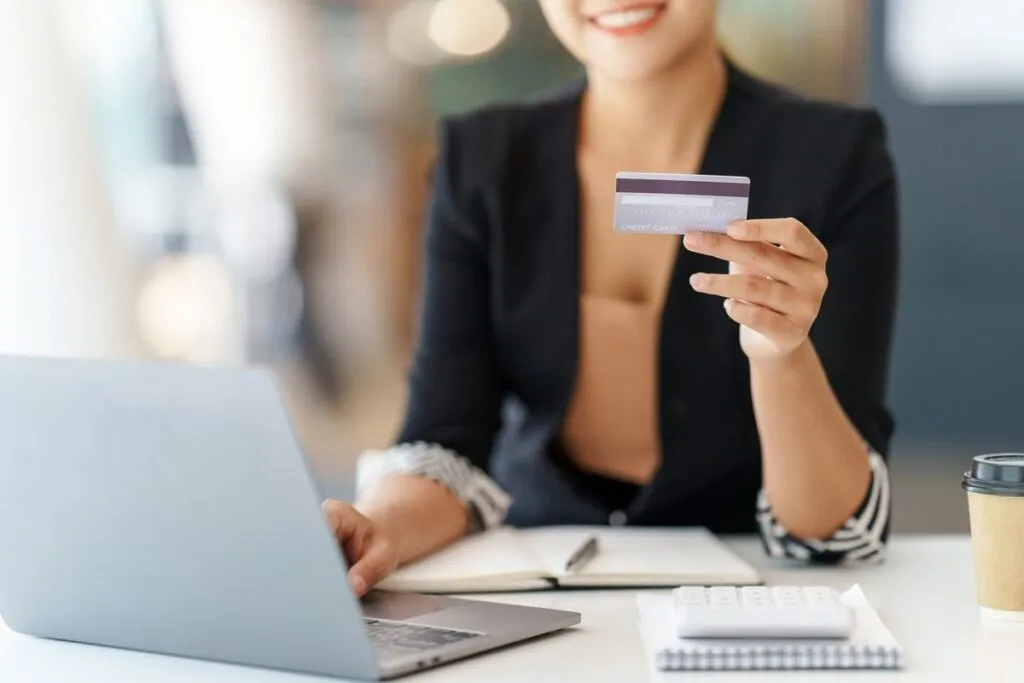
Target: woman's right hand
370	553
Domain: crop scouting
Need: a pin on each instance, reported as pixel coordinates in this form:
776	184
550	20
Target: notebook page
632	556
870	630
491	561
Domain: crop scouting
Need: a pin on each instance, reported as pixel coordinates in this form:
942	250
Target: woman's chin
633	71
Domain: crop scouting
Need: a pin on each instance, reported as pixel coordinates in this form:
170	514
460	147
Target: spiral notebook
871	646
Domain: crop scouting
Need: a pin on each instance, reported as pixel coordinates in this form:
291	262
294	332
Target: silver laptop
168	508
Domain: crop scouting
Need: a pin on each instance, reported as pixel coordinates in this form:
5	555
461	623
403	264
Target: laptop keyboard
398	634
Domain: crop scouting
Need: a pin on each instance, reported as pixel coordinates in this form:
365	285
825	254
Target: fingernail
358	585
697	280
693	239
727	304
735	229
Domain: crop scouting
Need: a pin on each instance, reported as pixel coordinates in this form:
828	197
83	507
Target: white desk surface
924	592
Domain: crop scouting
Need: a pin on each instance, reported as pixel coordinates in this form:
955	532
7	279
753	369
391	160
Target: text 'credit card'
677	203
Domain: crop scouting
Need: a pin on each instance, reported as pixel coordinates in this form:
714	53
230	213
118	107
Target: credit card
677	203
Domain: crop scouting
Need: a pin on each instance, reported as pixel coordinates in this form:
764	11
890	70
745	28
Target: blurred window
956	50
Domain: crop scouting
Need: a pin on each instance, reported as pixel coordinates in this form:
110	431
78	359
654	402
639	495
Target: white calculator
761	612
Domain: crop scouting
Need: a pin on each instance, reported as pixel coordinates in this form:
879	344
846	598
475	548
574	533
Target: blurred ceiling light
407	37
468	28
185	308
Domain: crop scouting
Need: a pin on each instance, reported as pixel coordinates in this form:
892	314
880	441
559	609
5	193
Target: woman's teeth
626	18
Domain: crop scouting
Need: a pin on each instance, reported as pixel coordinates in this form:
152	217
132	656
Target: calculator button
787	597
723	596
755	596
691	596
820	596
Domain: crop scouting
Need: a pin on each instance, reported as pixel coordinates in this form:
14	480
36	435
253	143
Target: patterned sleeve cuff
861	540
488	503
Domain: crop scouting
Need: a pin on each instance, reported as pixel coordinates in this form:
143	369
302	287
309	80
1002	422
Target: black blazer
497	354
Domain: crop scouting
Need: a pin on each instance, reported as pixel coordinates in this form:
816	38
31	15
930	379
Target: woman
569	374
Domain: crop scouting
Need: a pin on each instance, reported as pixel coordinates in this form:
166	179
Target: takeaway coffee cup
995	498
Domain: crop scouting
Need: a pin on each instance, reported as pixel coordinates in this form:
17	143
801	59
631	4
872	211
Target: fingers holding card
776	275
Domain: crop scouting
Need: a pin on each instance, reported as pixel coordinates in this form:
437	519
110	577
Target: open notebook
507	559
871	646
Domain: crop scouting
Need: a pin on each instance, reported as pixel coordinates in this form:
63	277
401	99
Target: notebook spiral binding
782	657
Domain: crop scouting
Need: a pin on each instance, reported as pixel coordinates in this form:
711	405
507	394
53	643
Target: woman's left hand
775	284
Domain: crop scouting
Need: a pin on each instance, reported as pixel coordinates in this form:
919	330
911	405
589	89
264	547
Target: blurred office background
243	181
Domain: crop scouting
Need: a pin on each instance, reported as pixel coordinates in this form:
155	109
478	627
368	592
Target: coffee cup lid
997	474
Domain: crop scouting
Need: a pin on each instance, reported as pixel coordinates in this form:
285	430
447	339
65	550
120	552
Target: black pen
586	552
